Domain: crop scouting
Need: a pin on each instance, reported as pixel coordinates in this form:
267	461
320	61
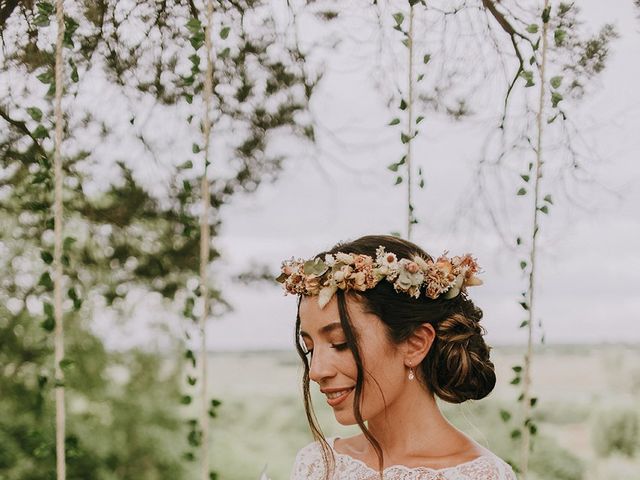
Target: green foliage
121	421
550	460
583	55
616	429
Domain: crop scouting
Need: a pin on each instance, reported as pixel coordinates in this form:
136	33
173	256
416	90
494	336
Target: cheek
384	374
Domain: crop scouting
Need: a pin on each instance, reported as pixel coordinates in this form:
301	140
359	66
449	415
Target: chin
348	418
346	421
345	417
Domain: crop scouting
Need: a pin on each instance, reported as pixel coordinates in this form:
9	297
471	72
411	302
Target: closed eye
339	347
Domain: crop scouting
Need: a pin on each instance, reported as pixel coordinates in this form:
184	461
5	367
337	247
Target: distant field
581	390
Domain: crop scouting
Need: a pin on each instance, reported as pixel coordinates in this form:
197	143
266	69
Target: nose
321	365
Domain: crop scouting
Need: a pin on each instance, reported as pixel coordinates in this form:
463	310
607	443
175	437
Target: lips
342	395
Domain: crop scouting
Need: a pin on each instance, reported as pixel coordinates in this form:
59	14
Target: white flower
455	287
422	263
388	265
329	260
344	258
406	279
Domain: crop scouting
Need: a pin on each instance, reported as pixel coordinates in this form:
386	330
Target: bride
383	328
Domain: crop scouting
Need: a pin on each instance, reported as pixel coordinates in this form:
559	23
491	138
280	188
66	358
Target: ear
418	344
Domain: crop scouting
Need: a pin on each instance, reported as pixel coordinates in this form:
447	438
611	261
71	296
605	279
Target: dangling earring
411	375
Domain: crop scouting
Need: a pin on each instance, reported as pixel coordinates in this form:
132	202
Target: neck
413	424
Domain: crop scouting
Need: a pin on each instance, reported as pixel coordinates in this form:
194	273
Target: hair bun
461	367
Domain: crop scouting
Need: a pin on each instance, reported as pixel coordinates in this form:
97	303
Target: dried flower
361	272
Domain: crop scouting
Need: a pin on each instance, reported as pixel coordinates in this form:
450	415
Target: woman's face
333	367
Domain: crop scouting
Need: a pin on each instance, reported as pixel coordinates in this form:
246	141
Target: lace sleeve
308	464
504	470
487	467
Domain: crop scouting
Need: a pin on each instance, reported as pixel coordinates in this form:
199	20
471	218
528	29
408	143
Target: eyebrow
326	329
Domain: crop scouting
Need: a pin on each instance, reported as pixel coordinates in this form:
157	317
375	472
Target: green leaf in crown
315	267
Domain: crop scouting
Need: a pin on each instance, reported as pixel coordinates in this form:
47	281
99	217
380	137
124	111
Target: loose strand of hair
345	321
328	457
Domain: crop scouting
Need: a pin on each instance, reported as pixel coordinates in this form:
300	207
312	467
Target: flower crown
347	271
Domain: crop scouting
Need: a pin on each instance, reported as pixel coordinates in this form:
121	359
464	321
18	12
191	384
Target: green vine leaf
46	77
194	25
35	113
556	81
49	324
505	415
66	363
46	257
559	36
45	281
528	76
395	121
67	243
190	356
40	132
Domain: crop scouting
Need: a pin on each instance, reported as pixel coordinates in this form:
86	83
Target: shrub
616	429
550	460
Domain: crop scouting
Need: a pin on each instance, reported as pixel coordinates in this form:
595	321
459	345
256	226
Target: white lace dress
309	466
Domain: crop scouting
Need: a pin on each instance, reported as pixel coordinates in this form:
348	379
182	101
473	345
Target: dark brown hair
457	367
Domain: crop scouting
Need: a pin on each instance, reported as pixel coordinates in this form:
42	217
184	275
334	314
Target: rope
205	248
57	253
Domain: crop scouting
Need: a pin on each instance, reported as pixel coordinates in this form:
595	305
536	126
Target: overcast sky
589	245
